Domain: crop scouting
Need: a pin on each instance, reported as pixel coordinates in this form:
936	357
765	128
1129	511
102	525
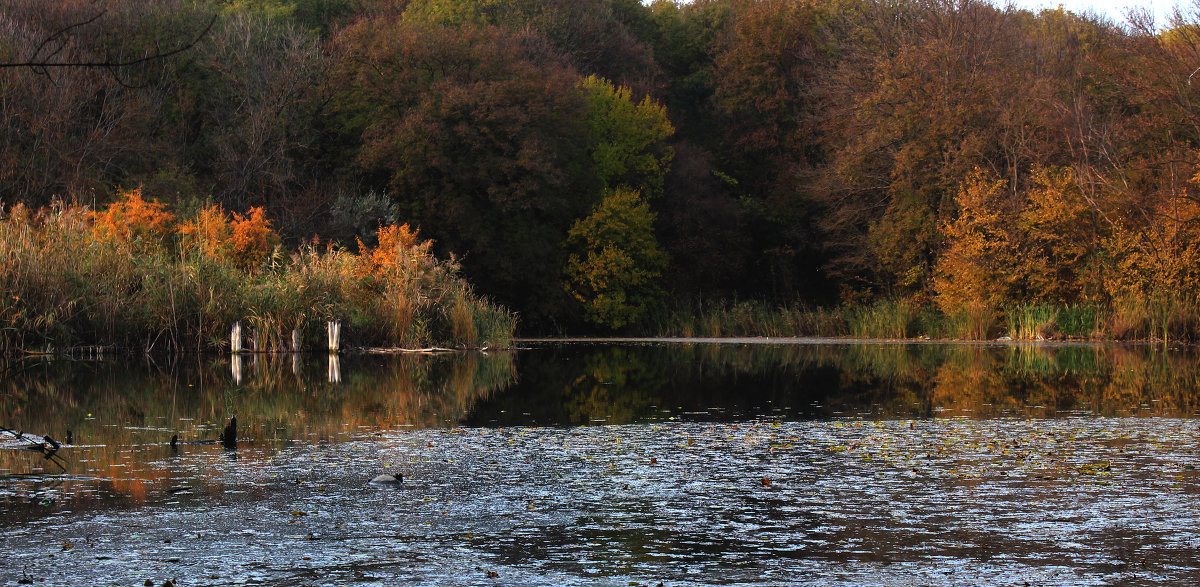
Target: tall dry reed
132	277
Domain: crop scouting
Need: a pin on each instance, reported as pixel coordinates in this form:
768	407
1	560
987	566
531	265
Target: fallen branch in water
47	446
397	350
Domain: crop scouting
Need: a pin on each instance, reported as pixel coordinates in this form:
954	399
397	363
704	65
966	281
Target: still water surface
832	464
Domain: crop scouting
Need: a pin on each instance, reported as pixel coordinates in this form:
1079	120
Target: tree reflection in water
123	414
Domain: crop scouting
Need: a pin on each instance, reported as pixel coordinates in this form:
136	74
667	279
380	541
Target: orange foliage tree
1161	257
1061	240
244	241
1040	246
974	271
132	219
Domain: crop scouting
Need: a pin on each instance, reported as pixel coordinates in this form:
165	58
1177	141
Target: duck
388	479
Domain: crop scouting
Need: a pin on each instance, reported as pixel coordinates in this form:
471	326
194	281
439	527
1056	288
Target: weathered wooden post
235	338
254	340
295	340
334	329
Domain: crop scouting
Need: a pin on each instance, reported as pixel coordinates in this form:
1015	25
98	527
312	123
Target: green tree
614	261
627	138
479	135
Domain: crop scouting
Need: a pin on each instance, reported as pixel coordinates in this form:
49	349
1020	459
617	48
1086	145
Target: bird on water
386	479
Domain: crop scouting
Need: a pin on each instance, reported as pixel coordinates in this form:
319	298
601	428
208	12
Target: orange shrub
399	249
244	241
133	219
252	238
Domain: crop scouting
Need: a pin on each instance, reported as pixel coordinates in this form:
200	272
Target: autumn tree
1061	234
975	270
1156	255
592	35
76	131
923	97
614	260
479	134
627	139
247	106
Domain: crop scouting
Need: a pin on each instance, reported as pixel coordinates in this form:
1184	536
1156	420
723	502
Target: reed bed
1163	318
132	277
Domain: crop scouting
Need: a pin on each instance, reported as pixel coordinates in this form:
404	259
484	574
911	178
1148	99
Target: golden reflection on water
123	415
977	380
615	384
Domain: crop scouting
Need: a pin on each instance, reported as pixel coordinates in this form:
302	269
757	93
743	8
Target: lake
620	463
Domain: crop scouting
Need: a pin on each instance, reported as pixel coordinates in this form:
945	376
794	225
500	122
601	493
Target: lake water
611	464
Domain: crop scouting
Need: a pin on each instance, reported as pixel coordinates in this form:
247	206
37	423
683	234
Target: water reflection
587	384
123	415
741	463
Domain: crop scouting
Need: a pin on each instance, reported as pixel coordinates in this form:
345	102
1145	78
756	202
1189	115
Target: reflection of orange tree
971	380
979	380
1167	382
122	417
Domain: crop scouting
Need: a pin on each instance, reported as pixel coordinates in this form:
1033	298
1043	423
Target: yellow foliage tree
975	270
614	261
1059	236
1159	258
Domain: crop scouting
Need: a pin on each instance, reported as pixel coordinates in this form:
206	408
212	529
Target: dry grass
69	280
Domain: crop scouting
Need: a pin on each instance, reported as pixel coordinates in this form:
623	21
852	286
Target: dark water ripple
1078	501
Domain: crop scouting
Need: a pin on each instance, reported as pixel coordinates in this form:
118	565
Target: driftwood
433	350
176	443
47	445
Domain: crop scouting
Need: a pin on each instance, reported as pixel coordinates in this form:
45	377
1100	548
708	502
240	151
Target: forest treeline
606	163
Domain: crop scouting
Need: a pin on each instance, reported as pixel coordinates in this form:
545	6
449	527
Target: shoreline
819	340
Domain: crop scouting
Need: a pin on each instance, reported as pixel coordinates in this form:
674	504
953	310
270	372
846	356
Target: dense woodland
596	164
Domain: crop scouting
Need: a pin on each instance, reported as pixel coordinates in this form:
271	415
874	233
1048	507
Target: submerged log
397	350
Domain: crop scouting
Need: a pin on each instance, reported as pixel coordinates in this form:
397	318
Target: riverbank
1158	319
136	277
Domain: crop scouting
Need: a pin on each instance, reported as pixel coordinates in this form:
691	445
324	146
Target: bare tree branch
42	65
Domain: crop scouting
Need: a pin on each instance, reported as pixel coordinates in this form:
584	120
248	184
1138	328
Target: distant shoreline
819	340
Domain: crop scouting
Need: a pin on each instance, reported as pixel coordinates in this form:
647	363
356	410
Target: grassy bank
134	276
1163	318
